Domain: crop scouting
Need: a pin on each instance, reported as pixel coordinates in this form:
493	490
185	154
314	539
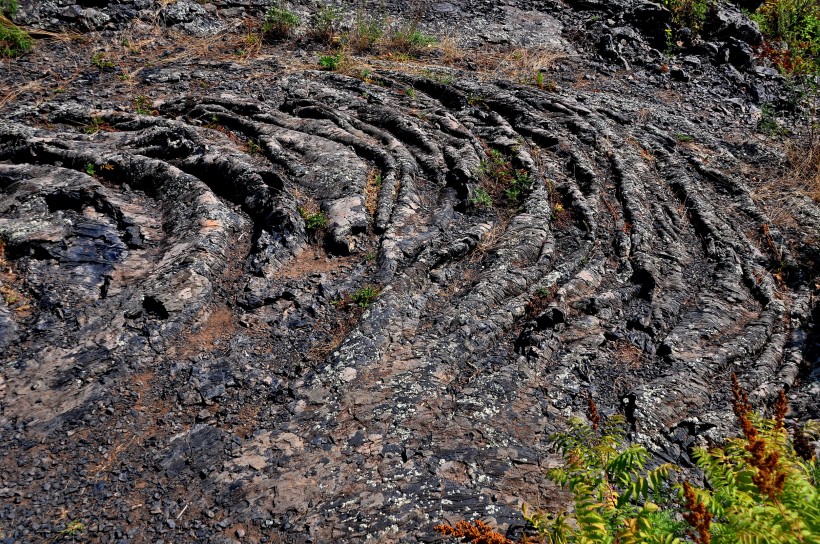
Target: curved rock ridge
633	269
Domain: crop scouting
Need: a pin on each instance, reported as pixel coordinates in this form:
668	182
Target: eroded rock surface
184	358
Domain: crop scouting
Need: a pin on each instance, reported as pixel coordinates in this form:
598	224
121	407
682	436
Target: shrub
279	22
143	106
481	198
500	180
100	61
616	498
13	41
795	23
690	13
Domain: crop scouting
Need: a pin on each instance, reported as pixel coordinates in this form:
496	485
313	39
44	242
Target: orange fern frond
477	532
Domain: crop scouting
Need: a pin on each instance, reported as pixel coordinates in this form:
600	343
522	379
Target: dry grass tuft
804	175
521	65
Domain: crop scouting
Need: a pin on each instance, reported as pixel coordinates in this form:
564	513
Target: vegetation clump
690	14
500	181
792	30
365	296
326	23
8	7
366	32
762	487
13	40
332	62
280	22
409	40
314	220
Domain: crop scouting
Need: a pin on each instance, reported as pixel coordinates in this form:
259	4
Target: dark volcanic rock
247	299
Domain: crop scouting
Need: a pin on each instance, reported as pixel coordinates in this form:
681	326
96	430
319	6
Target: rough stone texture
181	358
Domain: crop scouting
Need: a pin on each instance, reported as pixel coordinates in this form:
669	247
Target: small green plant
768	124
616	498
520	183
90	169
253	147
326	24
365	75
410	92
365	296
481	198
314	220
438	76
280	22
142	105
100	61
684	138
97	124
474	99
14	42
74	527
332	62
539	79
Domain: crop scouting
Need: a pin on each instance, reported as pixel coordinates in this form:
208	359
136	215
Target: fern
763	487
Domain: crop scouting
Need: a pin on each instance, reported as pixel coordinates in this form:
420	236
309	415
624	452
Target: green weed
13	41
690	13
366	32
8	7
762	487
74	527
332	62
143	106
481	198
365	296
313	220
796	25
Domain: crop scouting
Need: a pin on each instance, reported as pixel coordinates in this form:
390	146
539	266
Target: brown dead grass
11	288
804	176
371	190
628	355
520	64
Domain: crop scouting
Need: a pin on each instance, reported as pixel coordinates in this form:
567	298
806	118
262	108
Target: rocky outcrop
186	357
